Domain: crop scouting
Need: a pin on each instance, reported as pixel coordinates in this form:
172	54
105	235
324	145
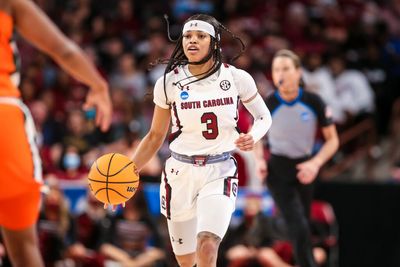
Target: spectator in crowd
260	239
183	9
54	227
376	74
92	230
29	91
351	85
70	170
135	239
129	77
319	80
122	113
78	133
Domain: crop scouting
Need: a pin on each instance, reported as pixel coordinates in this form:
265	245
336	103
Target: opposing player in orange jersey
20	166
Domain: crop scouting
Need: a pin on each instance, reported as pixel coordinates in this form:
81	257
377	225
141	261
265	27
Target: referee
292	167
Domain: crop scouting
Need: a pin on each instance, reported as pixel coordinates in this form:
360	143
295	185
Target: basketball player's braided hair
178	57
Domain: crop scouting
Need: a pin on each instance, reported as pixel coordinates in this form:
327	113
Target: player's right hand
113	207
245	142
99	98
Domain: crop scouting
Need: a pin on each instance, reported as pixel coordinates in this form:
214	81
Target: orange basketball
113	178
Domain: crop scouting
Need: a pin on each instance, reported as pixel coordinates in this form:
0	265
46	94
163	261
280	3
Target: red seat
325	230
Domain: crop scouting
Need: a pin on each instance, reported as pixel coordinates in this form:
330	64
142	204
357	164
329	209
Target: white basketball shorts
196	199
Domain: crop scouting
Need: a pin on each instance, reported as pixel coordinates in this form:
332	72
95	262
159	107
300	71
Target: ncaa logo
225	85
184	95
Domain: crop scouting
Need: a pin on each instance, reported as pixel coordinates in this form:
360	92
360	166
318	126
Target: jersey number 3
210	119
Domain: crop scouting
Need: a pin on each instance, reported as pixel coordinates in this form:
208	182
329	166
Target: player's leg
183	241
22	247
207	248
187	260
19	230
214	215
215	204
176	203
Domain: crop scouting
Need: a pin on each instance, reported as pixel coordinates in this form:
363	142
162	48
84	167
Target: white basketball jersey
204	114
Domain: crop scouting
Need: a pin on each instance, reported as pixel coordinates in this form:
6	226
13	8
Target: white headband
199	25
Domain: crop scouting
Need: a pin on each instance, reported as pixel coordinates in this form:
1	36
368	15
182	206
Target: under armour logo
174	171
180	86
179	240
193	24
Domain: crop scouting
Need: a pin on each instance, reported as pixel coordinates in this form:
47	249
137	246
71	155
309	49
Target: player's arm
38	29
254	103
261	115
153	140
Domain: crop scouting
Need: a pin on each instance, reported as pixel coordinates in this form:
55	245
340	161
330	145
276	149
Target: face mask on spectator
71	161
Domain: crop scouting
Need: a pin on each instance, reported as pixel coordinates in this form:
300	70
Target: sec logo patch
225	85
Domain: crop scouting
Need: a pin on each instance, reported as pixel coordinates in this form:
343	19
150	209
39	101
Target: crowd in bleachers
351	55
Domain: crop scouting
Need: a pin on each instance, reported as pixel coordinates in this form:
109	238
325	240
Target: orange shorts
21	211
20	167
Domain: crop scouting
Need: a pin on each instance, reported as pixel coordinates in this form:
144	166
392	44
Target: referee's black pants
294	202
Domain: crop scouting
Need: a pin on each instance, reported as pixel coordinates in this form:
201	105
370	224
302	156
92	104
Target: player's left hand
245	142
113	207
307	171
99	99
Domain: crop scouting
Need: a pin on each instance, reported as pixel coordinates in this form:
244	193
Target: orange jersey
9	75
20	167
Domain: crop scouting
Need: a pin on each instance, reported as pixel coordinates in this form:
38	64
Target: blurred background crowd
350	51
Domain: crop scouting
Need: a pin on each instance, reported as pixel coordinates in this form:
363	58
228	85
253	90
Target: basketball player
200	94
292	166
20	167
